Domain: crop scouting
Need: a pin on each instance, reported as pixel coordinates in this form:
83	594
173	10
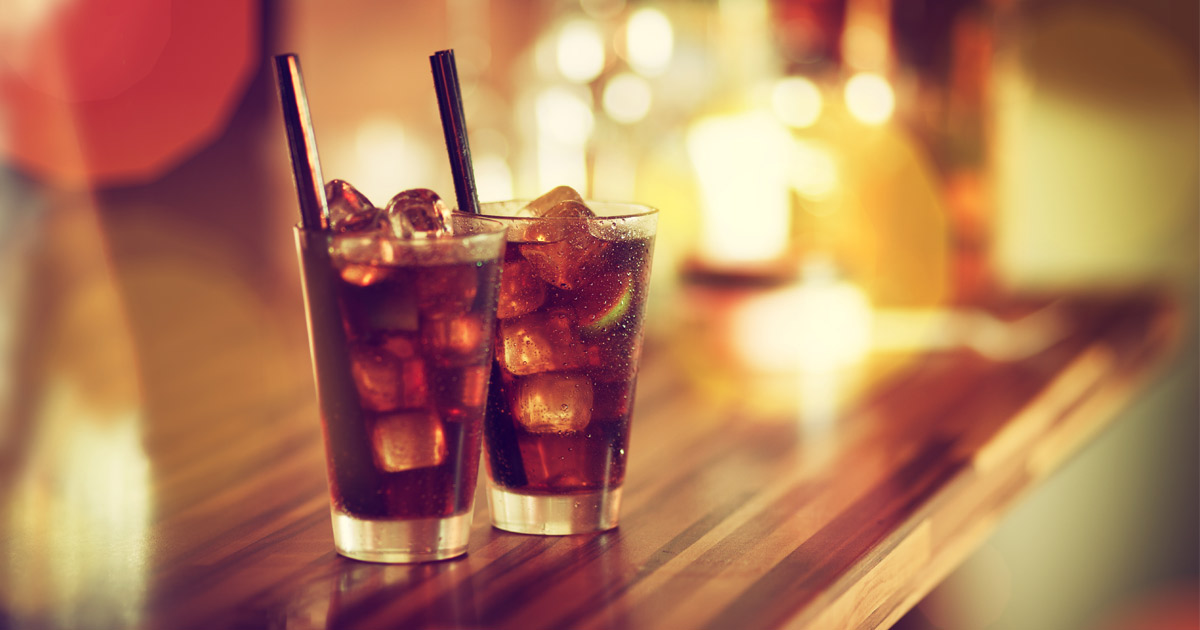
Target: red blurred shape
117	91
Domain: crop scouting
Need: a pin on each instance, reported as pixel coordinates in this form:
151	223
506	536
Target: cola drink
400	326
416	369
567	347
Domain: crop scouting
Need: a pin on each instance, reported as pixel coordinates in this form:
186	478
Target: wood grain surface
206	506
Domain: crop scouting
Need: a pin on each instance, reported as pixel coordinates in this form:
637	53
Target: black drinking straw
454	125
306	167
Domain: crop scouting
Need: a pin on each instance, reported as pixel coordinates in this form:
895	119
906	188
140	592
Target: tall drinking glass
400	332
568	342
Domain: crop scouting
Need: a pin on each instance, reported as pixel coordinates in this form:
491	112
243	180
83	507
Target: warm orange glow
939	329
601	9
866	44
866	37
81	518
814	171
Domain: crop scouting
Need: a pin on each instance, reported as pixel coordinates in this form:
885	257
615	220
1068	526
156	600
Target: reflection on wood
74	475
731	519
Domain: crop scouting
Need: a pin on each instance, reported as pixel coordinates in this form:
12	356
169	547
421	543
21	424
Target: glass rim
646	210
497	227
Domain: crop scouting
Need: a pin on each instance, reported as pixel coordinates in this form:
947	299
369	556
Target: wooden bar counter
212	511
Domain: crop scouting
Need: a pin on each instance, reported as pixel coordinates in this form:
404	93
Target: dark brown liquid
566	351
403	434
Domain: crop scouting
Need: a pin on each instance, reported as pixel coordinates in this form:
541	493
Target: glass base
554	515
397	541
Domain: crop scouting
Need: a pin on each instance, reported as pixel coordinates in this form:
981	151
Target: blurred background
850	175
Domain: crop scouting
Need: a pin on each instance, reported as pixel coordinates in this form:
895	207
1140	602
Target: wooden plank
732	518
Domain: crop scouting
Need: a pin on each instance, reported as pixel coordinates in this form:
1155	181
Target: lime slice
601	321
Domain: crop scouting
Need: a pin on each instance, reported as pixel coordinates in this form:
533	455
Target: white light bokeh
797	101
627	98
387	159
564	125
814	171
561	164
564	116
649	41
820	326
493	177
615	174
870	98
79	516
580	51
742	171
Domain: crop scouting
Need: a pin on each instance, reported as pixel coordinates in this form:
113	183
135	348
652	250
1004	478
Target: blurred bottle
945	51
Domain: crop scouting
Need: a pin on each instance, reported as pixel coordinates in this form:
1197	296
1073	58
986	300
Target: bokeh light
493	177
870	98
564	115
387	159
814	171
564	124
115	92
580	51
797	101
649	41
614	174
741	170
821	325
627	98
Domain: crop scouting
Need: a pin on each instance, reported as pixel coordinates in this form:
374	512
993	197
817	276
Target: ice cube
408	440
459	391
569	462
403	346
560	247
553	403
418	213
473	385
383	307
566	263
364	275
350	210
386	381
521	290
569	209
447	289
540	206
361	258
455	340
566	219
542	341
